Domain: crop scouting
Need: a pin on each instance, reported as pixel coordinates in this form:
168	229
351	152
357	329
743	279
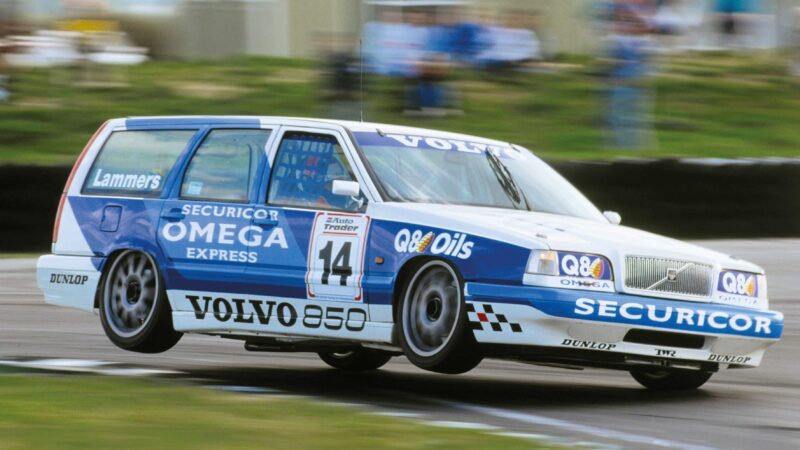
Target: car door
322	263
206	226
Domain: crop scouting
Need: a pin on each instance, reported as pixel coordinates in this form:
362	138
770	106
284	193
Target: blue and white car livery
363	241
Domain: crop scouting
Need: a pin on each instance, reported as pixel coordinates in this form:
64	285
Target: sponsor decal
340	224
334	318
436	143
276	313
443	243
588	344
594	285
729	359
694	318
425	242
228	212
243	310
738	283
65	278
583	266
336	257
481	317
581	272
218	240
141	182
738	300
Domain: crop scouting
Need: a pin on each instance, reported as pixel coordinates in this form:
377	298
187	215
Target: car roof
355	127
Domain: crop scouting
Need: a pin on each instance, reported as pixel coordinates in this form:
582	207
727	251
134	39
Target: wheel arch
108	262
404	275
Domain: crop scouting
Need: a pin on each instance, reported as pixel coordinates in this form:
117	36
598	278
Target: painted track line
87	366
572	427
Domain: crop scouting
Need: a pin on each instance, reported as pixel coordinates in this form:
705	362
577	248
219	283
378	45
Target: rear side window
224	167
136	163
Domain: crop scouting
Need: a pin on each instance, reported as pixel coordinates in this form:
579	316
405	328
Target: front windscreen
421	169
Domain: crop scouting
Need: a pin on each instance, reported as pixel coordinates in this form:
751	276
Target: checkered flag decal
482	317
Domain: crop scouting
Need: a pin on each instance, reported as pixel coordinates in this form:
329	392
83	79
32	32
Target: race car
362	241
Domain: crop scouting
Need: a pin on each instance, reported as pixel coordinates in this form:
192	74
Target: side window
136	163
304	171
225	165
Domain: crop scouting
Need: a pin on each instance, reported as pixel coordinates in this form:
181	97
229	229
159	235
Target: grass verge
65	412
20	255
706	105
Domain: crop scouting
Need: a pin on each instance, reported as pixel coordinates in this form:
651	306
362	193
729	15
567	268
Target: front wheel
134	309
670	379
434	332
358	360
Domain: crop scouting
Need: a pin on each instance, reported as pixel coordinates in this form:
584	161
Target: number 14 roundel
336	256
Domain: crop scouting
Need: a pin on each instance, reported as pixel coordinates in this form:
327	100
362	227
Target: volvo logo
672	275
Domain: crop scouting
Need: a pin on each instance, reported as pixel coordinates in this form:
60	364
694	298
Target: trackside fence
704	199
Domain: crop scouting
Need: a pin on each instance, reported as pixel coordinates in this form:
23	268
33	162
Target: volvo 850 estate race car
362	241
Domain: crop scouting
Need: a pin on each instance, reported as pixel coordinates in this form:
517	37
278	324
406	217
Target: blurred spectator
731	22
430	93
672	21
342	75
5	47
385	50
795	42
469	36
629	95
511	44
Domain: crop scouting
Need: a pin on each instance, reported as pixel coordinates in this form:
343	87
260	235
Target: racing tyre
670	380
359	360
134	309
434	332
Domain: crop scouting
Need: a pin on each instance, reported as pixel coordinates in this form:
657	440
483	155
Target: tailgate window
136	163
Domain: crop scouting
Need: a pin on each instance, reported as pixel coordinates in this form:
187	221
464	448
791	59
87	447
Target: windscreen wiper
506	181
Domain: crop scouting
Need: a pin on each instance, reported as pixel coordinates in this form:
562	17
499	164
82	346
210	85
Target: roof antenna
361	75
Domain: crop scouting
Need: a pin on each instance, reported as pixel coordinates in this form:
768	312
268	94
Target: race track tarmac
738	409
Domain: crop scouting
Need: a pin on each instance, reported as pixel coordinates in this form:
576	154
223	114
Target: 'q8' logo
584	266
739	283
455	244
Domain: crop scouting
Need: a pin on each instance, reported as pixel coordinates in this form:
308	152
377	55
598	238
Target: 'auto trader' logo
455	244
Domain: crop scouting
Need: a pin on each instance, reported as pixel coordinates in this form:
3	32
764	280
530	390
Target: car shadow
402	388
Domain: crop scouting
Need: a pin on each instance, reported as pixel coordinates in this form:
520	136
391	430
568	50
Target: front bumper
655	329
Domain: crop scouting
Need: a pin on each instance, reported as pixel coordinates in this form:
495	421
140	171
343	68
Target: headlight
543	262
570	270
745	284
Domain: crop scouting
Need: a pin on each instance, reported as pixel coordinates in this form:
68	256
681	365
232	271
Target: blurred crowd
91	51
420	51
424	47
423	50
638	30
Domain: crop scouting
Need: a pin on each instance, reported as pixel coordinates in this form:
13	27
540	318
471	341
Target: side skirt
255	316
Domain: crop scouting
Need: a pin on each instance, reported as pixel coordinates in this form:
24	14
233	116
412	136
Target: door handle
265	223
173	215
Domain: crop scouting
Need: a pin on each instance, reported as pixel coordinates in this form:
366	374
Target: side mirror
613	217
346	188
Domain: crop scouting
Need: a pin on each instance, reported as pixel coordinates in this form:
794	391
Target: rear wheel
361	359
134	310
434	334
670	379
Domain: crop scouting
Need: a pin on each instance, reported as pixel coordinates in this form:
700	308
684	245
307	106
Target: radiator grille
668	276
